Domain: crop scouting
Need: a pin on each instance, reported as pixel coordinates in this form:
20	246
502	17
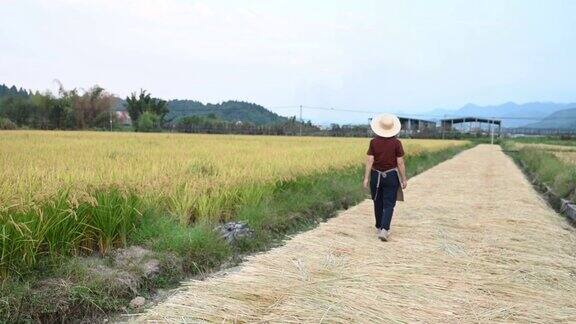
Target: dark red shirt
385	151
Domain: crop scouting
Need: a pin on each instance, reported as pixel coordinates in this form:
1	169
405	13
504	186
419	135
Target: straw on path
472	243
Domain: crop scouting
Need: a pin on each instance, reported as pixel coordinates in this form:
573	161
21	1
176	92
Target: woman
385	171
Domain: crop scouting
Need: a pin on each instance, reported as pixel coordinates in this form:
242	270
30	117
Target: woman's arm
402	171
369	162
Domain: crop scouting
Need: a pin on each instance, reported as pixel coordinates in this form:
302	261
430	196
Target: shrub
6	124
148	122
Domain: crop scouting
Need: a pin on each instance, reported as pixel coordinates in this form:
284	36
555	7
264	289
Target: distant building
471	125
413	125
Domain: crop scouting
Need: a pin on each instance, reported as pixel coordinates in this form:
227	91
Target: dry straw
473	243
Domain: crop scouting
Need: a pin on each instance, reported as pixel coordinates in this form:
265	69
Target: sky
384	56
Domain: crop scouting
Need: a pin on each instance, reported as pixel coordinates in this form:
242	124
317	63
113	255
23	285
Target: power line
436	116
298	109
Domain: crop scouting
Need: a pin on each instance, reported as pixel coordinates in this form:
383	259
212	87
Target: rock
137	302
233	231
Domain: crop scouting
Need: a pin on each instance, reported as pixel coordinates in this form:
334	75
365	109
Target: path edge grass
551	177
75	292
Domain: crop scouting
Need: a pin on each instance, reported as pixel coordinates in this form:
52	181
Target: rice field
546	147
568	157
183	168
63	193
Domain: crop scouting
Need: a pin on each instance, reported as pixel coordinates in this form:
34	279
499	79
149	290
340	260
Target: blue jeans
384	197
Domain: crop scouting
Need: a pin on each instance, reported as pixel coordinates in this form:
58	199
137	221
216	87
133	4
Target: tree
148	122
18	110
144	102
90	109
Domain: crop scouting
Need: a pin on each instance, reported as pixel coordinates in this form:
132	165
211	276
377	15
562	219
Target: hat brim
378	130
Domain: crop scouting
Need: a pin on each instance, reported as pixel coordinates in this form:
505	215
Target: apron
384	174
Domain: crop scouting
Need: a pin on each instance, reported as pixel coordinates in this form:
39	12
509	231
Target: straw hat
385	125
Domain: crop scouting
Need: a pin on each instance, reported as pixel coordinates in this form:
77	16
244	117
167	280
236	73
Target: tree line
95	109
77	109
70	109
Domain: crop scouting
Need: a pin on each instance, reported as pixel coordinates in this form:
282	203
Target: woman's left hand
365	183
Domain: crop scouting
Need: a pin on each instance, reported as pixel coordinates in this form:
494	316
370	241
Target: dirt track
472	243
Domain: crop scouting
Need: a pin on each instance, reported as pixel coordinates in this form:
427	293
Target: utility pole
110	115
301	120
368	129
492	132
443	126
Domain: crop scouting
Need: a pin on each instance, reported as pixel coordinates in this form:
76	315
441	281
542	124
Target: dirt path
473	243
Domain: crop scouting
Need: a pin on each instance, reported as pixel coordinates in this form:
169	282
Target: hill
518	115
563	119
231	111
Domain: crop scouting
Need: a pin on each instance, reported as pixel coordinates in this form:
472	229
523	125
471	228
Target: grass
116	218
548	140
544	163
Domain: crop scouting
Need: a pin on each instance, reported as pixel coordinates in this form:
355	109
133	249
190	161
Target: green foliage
230	111
211	123
62	227
148	122
6	91
17	109
71	110
6	124
139	104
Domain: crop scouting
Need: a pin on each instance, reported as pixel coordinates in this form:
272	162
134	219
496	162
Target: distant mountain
513	115
564	119
231	111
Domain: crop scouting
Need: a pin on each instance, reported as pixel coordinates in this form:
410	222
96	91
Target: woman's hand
404	183
365	184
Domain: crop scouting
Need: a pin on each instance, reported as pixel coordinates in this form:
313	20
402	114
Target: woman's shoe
383	235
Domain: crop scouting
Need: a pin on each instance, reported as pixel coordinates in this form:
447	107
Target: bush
148	122
6	124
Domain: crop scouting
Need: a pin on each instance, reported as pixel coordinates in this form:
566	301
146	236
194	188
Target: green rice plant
58	228
181	203
111	217
17	248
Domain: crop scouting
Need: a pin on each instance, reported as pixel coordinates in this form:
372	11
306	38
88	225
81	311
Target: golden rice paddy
568	157
180	168
546	147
